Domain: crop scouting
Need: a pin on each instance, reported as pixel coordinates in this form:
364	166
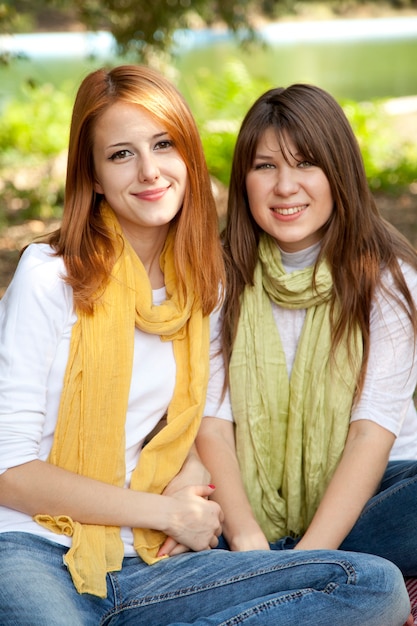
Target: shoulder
39	263
410	276
40	275
385	306
41	254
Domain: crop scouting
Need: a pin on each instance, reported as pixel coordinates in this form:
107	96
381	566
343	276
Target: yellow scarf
90	433
289	433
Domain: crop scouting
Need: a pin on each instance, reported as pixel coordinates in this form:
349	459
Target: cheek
251	190
256	198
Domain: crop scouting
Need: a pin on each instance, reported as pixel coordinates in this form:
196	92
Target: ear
98	188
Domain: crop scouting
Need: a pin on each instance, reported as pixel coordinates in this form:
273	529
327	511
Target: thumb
204	490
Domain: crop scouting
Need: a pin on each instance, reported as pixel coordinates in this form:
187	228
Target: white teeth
290	211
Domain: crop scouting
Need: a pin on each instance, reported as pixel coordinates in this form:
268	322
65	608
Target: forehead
273	141
124	117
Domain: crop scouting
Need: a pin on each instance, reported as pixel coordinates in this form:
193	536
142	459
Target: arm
355	480
193	472
216	446
39	487
376	421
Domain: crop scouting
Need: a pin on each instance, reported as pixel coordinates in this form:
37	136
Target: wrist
246	536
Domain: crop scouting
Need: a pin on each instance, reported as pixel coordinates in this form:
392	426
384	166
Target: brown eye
120	154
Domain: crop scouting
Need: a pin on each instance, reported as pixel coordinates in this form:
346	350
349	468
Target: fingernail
212	486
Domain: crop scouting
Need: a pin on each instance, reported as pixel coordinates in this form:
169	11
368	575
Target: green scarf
289	433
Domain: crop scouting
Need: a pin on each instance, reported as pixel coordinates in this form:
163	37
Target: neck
148	247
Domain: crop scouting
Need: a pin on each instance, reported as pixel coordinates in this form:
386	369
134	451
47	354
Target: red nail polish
212	486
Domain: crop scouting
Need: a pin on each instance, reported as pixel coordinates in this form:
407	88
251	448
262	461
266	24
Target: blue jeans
210	588
387	525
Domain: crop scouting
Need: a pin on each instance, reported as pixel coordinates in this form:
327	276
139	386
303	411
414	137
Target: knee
385	585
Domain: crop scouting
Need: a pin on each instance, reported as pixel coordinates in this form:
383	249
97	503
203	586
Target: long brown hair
82	239
358	243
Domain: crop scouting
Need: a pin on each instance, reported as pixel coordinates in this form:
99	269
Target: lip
151	195
288	212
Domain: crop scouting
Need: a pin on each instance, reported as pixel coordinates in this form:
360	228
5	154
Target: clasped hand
195	523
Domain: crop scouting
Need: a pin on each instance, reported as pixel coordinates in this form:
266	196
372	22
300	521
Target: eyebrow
297	155
129	143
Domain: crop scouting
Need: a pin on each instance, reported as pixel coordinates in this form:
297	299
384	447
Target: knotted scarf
289	433
90	433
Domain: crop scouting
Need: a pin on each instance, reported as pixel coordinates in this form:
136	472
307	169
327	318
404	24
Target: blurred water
356	59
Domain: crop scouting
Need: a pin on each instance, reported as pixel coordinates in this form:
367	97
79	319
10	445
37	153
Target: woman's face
290	201
138	169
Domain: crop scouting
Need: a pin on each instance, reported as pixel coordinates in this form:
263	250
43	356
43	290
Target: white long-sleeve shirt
387	396
36	321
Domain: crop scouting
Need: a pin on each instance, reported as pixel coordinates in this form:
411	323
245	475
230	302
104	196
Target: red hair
82	239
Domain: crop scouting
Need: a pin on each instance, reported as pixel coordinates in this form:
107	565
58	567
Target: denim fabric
388	523
210	588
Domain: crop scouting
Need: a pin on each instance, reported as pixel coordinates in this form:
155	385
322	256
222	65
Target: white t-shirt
387	397
36	320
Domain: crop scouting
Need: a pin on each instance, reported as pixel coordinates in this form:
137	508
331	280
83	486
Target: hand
248	536
194	521
410	621
193	472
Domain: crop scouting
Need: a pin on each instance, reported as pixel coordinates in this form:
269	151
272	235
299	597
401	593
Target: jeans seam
260	608
351	578
117	594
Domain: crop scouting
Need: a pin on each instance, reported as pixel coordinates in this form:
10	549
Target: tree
145	26
141	26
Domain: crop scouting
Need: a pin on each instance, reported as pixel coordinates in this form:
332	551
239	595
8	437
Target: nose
286	182
148	170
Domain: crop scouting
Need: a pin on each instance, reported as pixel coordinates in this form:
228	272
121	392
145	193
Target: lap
201	588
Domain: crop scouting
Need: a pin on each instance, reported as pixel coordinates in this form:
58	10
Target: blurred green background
222	56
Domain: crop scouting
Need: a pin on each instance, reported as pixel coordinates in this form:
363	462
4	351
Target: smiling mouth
152	194
289	210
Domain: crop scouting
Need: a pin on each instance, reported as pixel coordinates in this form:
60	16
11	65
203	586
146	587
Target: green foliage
390	160
12	20
38	196
33	132
219	103
35	124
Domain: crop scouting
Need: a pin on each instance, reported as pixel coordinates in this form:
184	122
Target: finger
214	542
179	549
167	547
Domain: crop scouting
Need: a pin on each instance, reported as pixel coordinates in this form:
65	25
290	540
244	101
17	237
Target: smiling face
138	169
289	197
